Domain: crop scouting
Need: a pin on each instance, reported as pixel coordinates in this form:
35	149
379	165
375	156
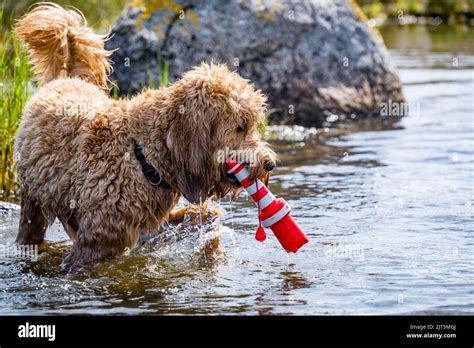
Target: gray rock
315	59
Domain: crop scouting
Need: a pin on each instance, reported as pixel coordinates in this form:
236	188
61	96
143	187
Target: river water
388	210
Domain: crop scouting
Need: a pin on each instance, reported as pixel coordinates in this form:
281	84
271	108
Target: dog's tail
61	45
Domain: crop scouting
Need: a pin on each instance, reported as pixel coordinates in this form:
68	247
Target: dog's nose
269	166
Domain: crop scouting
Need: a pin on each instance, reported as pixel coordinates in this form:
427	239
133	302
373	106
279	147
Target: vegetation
100	14
163	73
15	88
453	10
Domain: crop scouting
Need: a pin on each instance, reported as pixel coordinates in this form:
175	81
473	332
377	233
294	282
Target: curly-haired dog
109	169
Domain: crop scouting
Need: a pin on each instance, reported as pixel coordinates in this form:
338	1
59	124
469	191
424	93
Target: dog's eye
240	129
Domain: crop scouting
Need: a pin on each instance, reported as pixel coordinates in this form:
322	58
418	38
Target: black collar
150	172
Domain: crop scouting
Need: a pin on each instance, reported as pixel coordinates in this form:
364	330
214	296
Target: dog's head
215	115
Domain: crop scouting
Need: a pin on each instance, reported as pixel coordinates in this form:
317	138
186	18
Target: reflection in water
283	292
387	206
424	41
294	280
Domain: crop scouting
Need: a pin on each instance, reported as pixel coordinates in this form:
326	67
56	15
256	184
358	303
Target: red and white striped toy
273	212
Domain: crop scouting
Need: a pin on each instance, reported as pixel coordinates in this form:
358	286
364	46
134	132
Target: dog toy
273	213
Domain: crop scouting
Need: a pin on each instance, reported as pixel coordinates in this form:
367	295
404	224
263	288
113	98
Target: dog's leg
196	214
70	225
177	216
33	222
101	235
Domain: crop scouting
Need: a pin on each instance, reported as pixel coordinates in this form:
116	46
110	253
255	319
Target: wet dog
107	168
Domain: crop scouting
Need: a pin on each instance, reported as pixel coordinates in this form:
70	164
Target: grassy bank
15	88
450	11
100	14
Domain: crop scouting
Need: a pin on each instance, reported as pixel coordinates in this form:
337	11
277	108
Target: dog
111	169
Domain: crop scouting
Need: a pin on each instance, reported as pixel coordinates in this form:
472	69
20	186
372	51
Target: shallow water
388	211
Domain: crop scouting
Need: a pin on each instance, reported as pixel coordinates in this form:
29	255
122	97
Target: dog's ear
189	142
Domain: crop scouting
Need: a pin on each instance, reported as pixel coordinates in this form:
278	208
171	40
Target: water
388	210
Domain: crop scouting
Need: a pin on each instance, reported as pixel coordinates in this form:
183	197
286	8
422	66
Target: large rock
315	59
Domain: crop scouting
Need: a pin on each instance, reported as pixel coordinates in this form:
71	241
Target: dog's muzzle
268	166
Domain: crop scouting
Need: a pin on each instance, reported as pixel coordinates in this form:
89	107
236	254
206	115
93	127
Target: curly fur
75	145
61	45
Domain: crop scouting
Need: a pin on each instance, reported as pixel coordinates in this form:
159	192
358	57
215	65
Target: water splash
180	244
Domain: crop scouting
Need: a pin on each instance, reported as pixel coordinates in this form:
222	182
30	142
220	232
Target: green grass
15	88
457	10
163	73
162	79
100	14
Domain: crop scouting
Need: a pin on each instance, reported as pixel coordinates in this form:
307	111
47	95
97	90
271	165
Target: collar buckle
148	170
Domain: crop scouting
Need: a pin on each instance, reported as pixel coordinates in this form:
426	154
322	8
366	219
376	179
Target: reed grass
100	14
163	73
15	89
